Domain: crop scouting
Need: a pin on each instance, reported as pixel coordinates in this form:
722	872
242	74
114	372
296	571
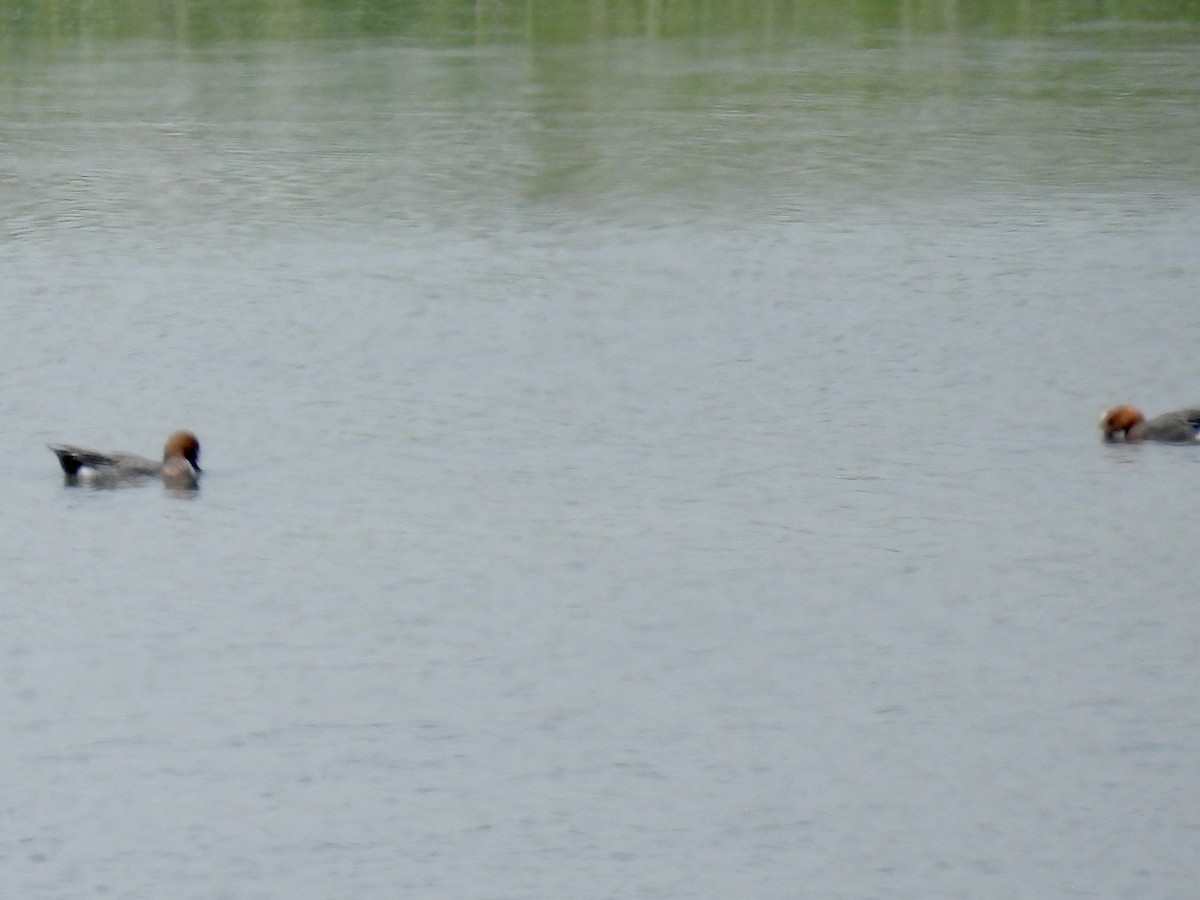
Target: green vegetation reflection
554	21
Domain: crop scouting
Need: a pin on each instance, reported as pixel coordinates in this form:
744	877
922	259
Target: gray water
636	468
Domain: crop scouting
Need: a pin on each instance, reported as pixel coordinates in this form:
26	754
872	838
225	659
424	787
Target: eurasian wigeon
1125	423
180	466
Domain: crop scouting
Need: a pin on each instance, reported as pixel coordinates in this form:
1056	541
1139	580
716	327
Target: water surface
636	466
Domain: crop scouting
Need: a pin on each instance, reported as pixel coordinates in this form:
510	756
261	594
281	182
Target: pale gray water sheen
634	469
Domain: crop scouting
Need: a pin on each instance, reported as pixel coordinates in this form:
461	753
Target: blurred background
650	449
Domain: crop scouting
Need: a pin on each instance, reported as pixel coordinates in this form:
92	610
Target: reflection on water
632	461
541	22
617	128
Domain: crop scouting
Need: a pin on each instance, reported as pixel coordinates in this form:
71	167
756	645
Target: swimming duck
180	466
1125	423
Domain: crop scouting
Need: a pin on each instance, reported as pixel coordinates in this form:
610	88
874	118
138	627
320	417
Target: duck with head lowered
180	466
1126	423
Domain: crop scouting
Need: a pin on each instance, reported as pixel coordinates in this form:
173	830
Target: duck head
182	445
1123	421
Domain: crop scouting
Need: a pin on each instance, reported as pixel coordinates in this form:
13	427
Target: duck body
180	466
1126	423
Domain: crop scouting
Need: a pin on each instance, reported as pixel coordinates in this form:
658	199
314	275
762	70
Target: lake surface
635	466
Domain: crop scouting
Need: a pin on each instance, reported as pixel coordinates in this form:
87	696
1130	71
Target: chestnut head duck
180	466
1126	423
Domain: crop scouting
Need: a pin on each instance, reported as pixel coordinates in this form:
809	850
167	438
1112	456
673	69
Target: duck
179	469
1126	423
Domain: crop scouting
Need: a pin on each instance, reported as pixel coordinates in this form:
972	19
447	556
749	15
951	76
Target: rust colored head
183	445
1120	420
